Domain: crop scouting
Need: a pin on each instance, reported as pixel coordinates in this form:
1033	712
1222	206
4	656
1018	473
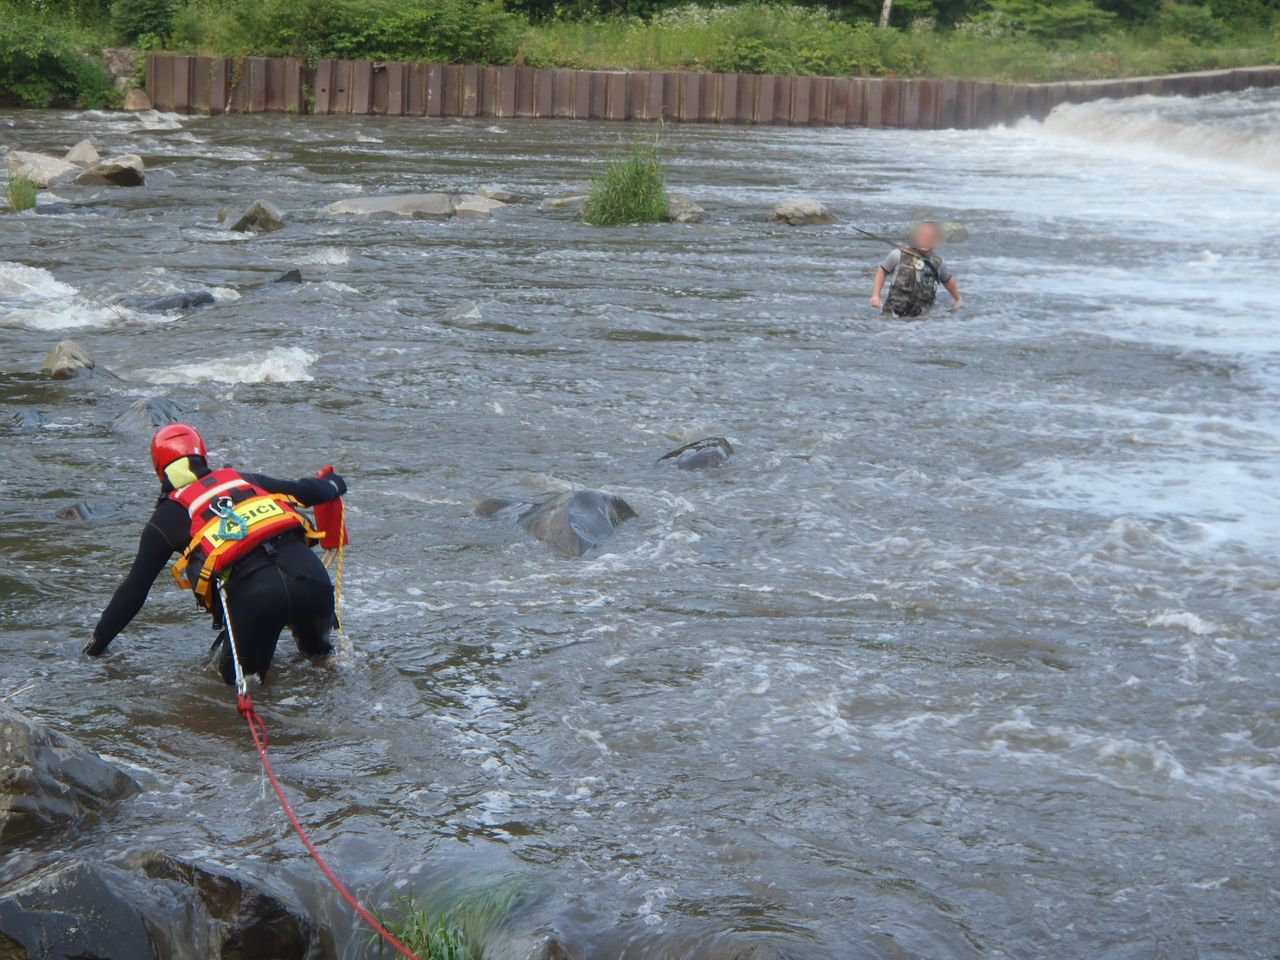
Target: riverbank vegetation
42	42
631	189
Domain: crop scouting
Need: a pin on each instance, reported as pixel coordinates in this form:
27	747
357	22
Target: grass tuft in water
454	932
631	189
22	193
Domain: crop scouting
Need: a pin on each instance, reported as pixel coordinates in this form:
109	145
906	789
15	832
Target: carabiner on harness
233	526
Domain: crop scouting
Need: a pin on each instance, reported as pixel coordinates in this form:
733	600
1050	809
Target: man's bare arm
877	285
954	291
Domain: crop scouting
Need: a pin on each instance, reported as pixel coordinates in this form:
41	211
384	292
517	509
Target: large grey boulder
73	909
494	192
40	169
261	216
476	207
66	360
701	454
680	209
82	154
126	170
250	922
802	212
414	206
148	414
48	781
571	523
137	101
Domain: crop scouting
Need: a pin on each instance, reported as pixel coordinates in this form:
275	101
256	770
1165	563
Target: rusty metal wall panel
856	110
181	96
340	88
380	90
638	85
487	92
163	97
670	95
1019	103
727	109
581	95
149	84
450	90
766	98
748	93
945	112
397	100
201	85
470	91
801	96
965	104
709	101
819	101
597	94
1055	93
544	94
506	87
526	86
909	115
984	103
690	97
783	96
874	111
294	81
322	83
562	97
276	69
891	102
617	97
360	87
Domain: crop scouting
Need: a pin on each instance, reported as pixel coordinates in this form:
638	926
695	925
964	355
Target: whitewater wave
281	365
1146	128
33	297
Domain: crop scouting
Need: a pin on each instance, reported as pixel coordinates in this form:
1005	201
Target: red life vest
229	518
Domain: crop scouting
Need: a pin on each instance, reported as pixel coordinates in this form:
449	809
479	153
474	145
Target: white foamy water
277	365
32	297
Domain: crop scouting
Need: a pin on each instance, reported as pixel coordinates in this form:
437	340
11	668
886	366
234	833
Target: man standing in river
916	270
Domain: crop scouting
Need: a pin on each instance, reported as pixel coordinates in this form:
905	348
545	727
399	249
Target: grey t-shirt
890	263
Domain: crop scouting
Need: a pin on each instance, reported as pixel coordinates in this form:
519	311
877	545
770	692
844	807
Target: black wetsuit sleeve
308	491
155	547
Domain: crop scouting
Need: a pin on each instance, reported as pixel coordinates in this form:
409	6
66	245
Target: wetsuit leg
259	610
310	597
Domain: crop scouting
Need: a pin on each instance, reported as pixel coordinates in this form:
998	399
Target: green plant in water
454	932
22	193
631	189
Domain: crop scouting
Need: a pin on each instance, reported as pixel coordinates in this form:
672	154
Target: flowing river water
968	652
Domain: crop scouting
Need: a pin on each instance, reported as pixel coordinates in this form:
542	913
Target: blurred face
927	236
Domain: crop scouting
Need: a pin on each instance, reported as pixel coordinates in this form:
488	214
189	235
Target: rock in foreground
40	169
571	523
66	360
48	781
802	212
122	171
701	454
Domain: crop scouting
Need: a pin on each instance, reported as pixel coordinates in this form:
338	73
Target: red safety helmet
174	442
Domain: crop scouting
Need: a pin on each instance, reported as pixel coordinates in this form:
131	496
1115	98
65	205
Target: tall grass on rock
631	189
22	194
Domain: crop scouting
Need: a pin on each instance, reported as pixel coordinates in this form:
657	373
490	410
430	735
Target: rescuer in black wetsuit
243	530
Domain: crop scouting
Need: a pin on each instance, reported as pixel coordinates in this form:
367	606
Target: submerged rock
29	421
701	454
680	209
66	360
416	206
261	216
953	231
566	203
476	207
802	212
48	781
289	276
174	301
39	168
122	171
253	923
82	154
572	523
148	414
53	209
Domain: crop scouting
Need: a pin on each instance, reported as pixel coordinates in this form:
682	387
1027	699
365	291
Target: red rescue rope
258	729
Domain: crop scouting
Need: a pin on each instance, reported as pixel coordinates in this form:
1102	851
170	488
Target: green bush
22	193
1195	25
1052	19
41	64
133	19
458	31
632	189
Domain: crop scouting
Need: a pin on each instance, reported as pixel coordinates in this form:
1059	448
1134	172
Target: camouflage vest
915	284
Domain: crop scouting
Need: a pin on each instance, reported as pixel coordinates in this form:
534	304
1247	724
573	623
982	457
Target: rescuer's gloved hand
96	647
339	484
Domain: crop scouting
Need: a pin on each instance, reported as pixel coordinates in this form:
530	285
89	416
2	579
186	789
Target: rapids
969	650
